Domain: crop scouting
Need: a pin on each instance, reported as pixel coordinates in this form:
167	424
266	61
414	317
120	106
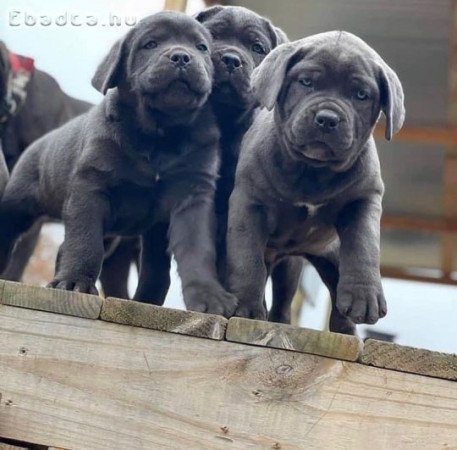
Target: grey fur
45	107
308	182
145	158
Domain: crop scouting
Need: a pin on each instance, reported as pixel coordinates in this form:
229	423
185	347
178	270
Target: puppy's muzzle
179	57
327	120
231	61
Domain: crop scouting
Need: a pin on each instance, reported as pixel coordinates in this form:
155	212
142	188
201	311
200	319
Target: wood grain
51	300
275	335
137	314
4	446
85	384
409	359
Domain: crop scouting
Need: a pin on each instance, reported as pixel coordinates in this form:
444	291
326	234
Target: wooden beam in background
402	274
449	241
440	136
419	224
176	5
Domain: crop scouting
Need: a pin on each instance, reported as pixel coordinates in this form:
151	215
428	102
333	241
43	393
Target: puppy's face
241	40
330	98
330	106
164	62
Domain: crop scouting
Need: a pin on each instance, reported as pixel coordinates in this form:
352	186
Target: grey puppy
242	39
145	159
308	181
44	106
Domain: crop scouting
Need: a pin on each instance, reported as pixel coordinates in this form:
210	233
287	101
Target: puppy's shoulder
367	170
260	140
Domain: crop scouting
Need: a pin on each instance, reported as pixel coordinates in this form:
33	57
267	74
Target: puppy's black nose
180	58
326	120
231	60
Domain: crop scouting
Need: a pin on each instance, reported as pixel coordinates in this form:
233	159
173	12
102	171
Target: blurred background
418	38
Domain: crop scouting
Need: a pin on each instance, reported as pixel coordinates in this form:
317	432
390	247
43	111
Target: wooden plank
128	312
440	225
88	384
176	5
11	447
405	274
434	136
449	241
51	300
409	359
277	335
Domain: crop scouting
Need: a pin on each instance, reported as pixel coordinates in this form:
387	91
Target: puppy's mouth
319	152
184	86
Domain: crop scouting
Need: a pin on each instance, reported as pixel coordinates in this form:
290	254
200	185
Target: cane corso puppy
308	181
242	39
143	160
31	104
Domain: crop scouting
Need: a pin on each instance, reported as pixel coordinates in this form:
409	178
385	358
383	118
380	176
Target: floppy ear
268	77
392	101
208	13
277	36
108	72
281	36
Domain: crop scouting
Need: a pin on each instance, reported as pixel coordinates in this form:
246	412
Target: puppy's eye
202	47
307	82
150	44
362	94
258	48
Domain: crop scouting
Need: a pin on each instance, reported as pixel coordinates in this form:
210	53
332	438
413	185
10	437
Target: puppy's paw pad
361	302
211	300
83	286
257	312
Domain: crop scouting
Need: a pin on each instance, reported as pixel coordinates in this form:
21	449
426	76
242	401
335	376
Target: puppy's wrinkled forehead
336	64
235	21
342	50
168	26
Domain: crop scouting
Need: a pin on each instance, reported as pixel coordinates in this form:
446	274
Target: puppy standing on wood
308	180
242	39
31	104
144	160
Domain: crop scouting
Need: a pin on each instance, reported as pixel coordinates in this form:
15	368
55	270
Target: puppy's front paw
362	302
210	299
252	311
84	285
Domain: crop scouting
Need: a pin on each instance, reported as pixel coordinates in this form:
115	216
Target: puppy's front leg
154	277
246	243
81	255
360	295
192	242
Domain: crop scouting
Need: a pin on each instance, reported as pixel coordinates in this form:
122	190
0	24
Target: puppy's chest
301	228
147	187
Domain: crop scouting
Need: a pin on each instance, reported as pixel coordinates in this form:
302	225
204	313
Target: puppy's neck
124	106
236	117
